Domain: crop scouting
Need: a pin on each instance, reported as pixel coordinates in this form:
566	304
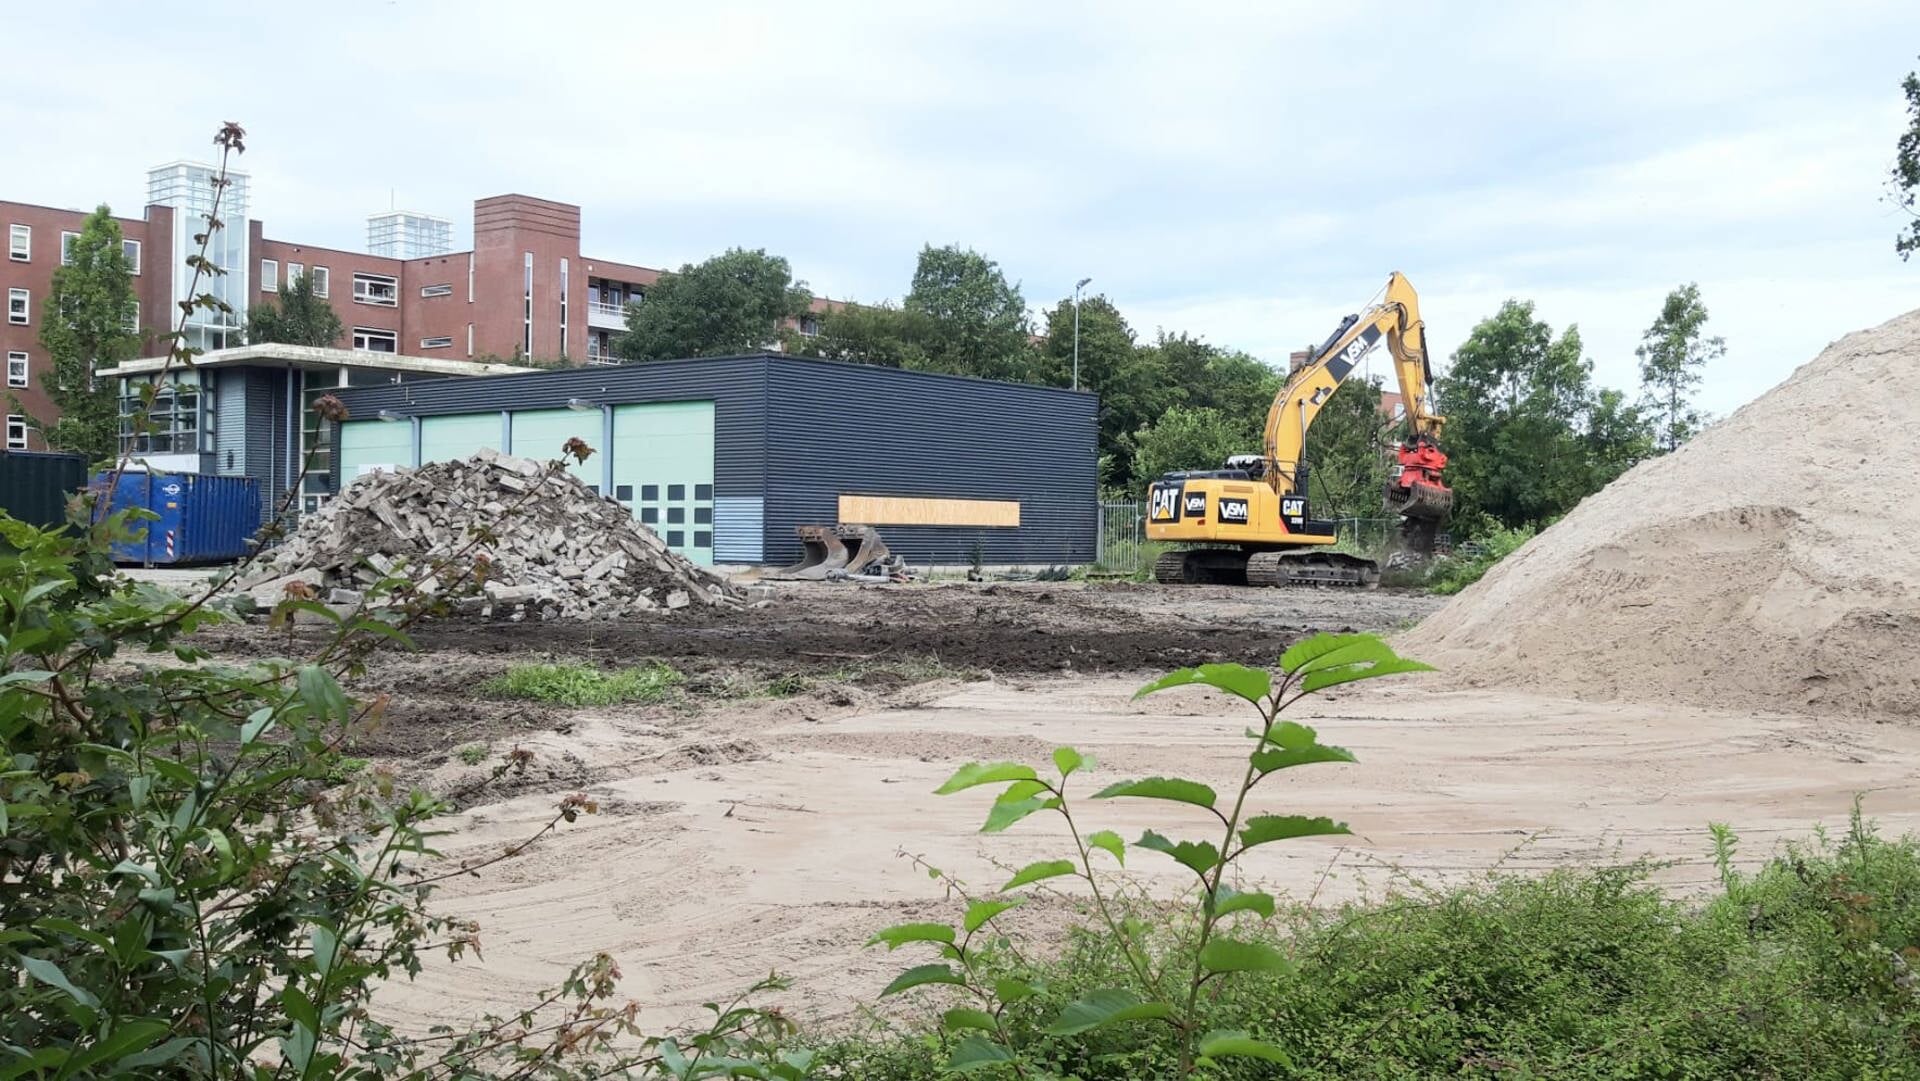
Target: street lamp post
1077	286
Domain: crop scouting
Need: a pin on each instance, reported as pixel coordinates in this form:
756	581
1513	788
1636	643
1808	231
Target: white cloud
1244	171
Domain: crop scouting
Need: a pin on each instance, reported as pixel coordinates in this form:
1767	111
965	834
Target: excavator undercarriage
1239	567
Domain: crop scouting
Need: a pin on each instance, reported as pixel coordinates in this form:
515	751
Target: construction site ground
763	818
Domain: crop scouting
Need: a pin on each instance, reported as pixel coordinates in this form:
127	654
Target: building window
20	242
526	344
269	276
294	270
469	339
563	307
676	538
703	491
133	318
131	250
809	327
16	432
376	289
17	300
702	538
437	343
67	241
375	341
469	277
174	419
16	369
702	516
436	290
320	281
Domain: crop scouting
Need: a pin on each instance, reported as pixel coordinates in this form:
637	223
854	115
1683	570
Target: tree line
1530	433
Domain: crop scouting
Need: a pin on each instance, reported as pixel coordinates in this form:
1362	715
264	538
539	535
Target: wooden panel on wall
908	510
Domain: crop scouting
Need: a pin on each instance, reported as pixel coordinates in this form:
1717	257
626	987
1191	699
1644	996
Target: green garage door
368	446
540	433
663	469
443	439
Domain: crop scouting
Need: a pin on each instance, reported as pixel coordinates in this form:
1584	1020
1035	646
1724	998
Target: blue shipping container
201	518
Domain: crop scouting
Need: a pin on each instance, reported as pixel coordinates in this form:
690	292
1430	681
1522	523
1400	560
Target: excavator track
1233	567
1312	568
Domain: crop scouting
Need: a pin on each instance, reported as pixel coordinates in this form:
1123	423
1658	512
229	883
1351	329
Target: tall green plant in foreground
984	1034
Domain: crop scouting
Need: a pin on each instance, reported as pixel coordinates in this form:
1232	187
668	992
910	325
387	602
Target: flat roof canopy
276	355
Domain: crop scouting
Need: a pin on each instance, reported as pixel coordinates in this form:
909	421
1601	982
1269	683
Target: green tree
1346	453
732	303
1618	435
1187	437
1672	352
1132	389
297	318
978	320
880	334
1519	404
1905	178
87	325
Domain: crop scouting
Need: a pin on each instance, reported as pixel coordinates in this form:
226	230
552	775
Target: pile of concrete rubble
551	547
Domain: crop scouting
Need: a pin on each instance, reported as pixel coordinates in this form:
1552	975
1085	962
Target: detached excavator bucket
864	548
824	554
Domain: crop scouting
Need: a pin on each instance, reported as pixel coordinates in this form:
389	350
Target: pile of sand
1773	563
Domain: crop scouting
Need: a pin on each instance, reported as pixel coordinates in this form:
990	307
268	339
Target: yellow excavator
1251	523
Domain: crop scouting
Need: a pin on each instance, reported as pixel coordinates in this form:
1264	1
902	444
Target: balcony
604	316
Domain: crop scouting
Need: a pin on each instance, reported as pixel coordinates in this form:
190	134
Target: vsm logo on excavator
1233	512
1195	505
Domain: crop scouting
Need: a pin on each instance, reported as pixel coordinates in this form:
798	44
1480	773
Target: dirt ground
763	819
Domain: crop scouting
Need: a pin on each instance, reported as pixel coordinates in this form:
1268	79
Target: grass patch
472	754
583	684
1805	969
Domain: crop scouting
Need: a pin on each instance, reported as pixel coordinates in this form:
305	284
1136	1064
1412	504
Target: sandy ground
741	836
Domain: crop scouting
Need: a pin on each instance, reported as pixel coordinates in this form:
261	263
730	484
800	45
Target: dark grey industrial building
725	456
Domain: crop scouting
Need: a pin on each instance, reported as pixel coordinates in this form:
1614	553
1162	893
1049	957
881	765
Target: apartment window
130	249
20	242
67	241
16	432
436	290
321	280
294	270
810	327
17	300
376	289
445	342
563	307
375	341
526	345
269	276
17	369
133	318
469	339
469	277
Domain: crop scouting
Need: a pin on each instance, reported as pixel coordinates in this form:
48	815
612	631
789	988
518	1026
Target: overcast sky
1244	172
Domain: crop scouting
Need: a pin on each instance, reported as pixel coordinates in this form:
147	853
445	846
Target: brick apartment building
525	290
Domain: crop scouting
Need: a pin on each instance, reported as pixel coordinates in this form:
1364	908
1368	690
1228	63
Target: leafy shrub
574	684
1804	969
998	1026
1455	573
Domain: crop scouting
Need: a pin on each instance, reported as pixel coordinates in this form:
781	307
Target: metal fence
1122	547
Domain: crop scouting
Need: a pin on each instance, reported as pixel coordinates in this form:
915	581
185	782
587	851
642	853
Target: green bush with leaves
1171	983
573	684
1455	573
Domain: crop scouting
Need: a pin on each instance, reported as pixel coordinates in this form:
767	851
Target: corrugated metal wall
736	386
796	433
878	431
34	487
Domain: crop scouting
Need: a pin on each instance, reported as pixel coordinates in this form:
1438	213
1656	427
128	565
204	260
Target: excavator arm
1397	319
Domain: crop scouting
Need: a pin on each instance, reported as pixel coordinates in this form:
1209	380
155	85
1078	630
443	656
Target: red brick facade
152	287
